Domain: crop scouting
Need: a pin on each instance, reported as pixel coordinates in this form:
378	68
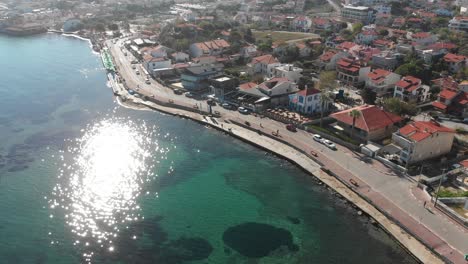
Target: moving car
317	138
291	128
329	144
243	110
188	94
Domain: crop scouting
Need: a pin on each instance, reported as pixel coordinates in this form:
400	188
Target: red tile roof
450	57
320	21
372	118
442	45
247	86
326	57
421	35
409	83
446	83
346	45
381	42
420	130
349	64
464	163
378	75
308	91
448	94
214	44
265	59
270	84
439	105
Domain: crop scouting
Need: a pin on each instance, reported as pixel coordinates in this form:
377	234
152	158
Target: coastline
407	241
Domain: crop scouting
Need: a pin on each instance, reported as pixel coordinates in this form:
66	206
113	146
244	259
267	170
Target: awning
263	99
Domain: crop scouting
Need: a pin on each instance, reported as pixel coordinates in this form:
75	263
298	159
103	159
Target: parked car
227	106
134	66
147	81
178	91
211	102
137	72
291	128
189	94
243	110
317	138
329	144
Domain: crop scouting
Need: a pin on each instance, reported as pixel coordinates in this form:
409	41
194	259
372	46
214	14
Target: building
382	82
209	48
351	71
301	23
458	23
222	85
180	57
421	140
357	13
264	65
307	101
327	61
452	100
319	23
411	89
423	38
195	78
372	124
367	37
455	62
151	63
388	60
289	72
249	51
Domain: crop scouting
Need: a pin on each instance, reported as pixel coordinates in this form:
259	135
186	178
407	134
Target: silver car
329	144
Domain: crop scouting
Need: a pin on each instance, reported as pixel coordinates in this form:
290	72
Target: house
388	60
455	62
367	37
422	140
209	48
452	100
372	124
263	65
351	71
398	22
414	22
459	23
383	19
271	93
301	23
195	78
411	89
319	23
288	71
307	101
304	50
443	12
423	39
250	51
180	57
382	44
382	82
327	61
151	64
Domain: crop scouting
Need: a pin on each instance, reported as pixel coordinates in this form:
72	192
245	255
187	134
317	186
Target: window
316	97
301	99
309	98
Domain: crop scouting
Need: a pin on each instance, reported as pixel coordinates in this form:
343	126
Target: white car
243	110
317	138
329	144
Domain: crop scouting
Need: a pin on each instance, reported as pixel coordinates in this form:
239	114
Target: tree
399	107
357	27
368	96
355	114
100	27
113	27
326	86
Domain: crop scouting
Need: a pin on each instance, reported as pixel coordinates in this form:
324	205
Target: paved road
390	192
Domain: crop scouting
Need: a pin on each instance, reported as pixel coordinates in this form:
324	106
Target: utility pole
438	188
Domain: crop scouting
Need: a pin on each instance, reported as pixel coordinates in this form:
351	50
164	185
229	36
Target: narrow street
394	194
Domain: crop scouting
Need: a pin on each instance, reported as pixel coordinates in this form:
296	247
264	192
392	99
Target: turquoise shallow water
83	179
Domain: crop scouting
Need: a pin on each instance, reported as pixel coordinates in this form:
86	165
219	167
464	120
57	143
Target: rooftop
420	130
372	118
409	83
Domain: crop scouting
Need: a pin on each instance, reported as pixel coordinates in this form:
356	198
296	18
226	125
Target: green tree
113	27
357	27
368	96
396	106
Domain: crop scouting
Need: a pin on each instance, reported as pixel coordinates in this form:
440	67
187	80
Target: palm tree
326	86
355	114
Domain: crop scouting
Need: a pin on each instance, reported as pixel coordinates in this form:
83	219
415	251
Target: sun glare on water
98	191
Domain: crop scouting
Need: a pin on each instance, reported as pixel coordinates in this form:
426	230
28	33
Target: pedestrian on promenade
425	204
261	125
222	126
277	132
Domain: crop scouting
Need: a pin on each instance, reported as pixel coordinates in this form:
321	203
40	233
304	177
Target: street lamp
438	188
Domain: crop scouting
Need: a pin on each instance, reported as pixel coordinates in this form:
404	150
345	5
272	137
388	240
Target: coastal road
390	192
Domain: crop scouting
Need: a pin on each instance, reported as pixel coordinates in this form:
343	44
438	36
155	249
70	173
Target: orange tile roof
450	57
378	75
265	59
247	86
448	94
308	91
419	130
439	105
409	83
326	57
372	118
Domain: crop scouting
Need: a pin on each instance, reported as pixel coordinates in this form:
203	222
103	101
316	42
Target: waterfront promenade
393	195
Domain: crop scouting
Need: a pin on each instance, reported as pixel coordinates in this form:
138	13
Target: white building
209	48
411	89
423	140
381	81
264	65
459	23
151	63
307	101
289	72
357	13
